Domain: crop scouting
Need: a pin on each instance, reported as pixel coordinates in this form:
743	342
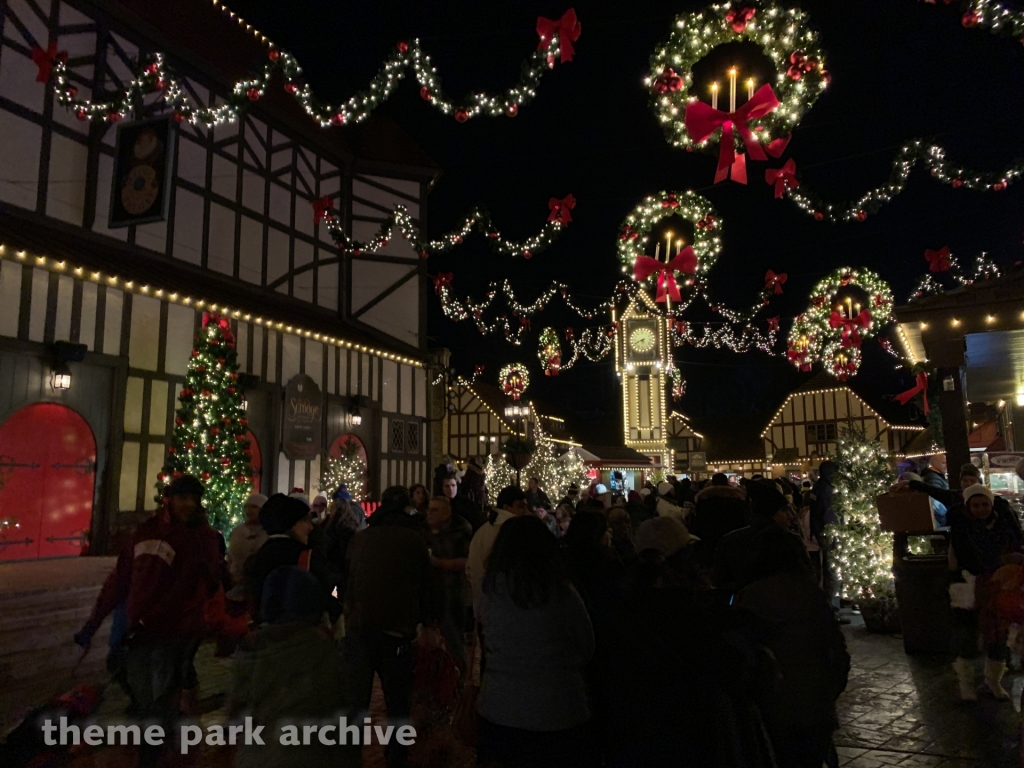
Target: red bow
702	120
322	208
739	15
223	323
46	59
798	357
777	280
783	178
668	81
920	385
567	28
851	326
478	370
560	209
938	261
773	323
442	280
685	261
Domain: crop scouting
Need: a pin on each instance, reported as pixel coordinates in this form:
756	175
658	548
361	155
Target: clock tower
642	361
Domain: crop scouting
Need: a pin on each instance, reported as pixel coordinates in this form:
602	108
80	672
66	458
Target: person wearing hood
288	673
388	598
667	506
720	509
735	561
288	523
247	538
983	540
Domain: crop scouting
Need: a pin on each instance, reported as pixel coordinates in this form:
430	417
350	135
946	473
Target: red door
255	461
47	478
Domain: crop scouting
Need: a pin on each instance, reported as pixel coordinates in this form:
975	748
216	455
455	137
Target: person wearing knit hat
288	523
319	506
246	539
300	495
969	475
664	534
984	537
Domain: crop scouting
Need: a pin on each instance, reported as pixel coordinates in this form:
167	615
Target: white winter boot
994	671
964	669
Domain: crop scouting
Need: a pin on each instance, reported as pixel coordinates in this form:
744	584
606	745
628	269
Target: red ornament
970	19
161	477
425	93
234	376
81	114
177	473
205	476
221	360
999	186
205	393
403	46
668	81
178	117
461	115
290	87
512	110
273	54
71	91
819	216
200	369
113	117
171	450
795	72
214	431
152	69
210	448
424	255
338	118
242	479
701	224
231	390
179	421
189	445
195	353
527	255
826	76
242	422
160	84
225	461
861	215
253	94
739	15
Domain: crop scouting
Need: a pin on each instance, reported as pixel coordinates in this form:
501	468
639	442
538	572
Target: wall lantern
247	381
355	403
65	352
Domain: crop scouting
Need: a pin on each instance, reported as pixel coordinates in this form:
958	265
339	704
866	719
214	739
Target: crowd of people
680	623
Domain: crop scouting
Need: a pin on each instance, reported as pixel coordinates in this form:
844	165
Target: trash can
922	594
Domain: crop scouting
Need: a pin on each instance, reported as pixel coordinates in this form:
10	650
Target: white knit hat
258	499
977	490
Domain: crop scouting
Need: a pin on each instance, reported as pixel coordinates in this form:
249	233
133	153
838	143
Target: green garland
813	337
785	36
634	234
549	351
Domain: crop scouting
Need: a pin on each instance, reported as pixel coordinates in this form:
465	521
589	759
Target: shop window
412	437
397	436
821	433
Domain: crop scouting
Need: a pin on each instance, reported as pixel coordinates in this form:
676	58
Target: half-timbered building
238	238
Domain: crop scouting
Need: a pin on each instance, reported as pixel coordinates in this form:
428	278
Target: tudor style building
239	238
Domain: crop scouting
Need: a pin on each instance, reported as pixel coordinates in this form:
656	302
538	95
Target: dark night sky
901	69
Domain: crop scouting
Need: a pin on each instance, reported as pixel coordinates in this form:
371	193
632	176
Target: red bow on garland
702	120
560	209
775	280
685	261
567	28
322	208
773	323
798	357
223	323
783	178
920	385
442	280
46	59
851	326
938	261
739	15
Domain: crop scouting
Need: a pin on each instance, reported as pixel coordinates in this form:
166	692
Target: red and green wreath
847	308
514	379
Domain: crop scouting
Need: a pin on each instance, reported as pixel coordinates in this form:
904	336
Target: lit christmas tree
863	553
348	470
554	473
497	475
209	440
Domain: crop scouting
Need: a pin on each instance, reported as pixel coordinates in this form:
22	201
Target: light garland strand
156	77
930	285
477	220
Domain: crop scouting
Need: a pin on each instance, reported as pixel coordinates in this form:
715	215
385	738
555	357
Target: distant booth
617	467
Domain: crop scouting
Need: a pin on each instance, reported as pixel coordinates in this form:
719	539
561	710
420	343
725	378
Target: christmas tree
554	473
348	470
209	440
863	553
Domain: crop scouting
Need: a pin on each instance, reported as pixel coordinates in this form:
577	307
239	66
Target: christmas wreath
769	114
549	352
693	260
847	307
514	379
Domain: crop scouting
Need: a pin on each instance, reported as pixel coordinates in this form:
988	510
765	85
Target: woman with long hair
533	698
420	498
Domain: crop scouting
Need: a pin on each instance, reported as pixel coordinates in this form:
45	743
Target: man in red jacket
165	574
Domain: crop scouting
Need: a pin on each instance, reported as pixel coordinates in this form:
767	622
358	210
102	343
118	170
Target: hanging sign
303	418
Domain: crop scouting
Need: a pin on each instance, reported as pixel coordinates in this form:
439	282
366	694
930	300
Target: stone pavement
902	710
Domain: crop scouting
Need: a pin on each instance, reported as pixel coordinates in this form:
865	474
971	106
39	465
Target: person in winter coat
533	698
388	597
168	570
667	506
790	615
720	509
822	514
511	502
289	524
463	506
290	673
247	538
448	537
535	495
983	539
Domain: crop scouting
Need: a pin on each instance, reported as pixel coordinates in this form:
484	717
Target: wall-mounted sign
143	169
303	418
698	460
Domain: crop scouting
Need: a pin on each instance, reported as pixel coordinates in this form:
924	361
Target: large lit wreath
847	307
774	109
693	261
549	352
514	379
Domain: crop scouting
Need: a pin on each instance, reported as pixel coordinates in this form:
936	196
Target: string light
930	285
156	77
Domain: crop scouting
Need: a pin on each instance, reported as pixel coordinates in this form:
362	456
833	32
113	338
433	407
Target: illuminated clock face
642	340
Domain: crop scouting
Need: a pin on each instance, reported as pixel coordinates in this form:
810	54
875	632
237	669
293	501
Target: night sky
901	69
